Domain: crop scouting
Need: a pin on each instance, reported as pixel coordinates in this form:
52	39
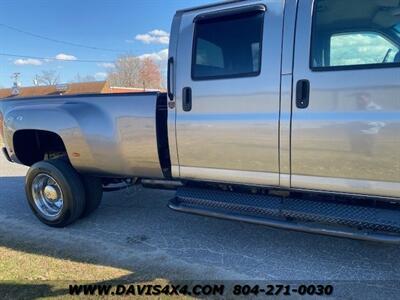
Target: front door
346	97
227	93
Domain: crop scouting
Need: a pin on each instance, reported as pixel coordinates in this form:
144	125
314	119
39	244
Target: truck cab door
346	97
227	72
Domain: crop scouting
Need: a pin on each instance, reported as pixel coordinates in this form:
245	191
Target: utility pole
36	80
16	76
15	88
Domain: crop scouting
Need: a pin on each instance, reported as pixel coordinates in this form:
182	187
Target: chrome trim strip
230	176
284	180
175	171
344	185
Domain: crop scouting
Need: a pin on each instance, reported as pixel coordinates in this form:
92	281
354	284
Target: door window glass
209	54
360	48
228	46
355	34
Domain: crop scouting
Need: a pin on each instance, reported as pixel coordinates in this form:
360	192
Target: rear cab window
365	36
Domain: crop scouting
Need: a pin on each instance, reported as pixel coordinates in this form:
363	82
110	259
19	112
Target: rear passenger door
346	97
227	92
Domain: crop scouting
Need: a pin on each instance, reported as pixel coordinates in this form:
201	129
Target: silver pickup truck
282	113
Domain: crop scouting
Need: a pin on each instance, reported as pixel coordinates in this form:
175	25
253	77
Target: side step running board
322	217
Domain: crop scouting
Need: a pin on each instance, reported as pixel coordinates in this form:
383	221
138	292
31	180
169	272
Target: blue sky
138	27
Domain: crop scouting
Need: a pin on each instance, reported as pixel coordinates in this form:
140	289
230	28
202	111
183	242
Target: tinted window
355	33
228	46
396	29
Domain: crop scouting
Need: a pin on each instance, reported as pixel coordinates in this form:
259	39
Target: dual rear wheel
58	195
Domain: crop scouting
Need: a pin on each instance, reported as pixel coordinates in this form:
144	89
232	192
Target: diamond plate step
326	217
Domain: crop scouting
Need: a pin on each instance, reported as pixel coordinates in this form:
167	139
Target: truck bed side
106	135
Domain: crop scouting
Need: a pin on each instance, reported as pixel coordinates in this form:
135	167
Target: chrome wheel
47	196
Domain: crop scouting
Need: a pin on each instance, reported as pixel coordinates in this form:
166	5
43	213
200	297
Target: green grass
16	265
27	276
35	276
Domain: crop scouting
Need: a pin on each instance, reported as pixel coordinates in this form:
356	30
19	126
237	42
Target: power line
59	41
55	59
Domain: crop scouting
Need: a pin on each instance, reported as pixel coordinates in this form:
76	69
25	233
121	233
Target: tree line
127	71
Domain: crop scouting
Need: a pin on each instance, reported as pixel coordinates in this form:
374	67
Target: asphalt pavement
133	229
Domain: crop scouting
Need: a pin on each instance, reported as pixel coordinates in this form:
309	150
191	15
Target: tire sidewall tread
71	185
93	192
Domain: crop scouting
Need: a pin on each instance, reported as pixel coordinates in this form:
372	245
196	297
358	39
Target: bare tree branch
87	78
47	78
131	71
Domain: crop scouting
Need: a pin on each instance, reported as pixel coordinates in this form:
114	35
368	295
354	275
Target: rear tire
93	192
55	192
